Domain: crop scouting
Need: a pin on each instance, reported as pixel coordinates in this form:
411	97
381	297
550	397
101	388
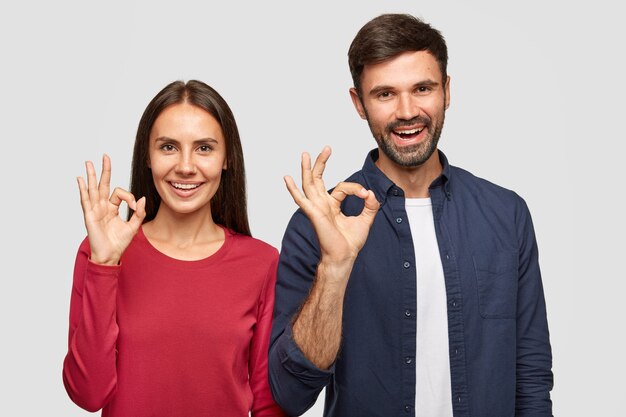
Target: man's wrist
335	270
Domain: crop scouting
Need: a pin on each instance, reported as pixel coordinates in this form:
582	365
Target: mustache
402	123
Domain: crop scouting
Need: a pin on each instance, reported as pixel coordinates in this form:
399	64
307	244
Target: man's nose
407	108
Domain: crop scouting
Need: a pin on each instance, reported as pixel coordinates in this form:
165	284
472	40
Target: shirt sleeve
295	381
534	356
89	369
263	404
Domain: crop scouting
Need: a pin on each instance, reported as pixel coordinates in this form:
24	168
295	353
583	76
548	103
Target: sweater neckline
161	257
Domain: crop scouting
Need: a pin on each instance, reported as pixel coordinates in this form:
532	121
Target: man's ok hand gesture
341	237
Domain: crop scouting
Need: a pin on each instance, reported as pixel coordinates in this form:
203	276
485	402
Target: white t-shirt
433	392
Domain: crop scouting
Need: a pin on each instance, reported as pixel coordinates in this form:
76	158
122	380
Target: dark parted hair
389	35
228	205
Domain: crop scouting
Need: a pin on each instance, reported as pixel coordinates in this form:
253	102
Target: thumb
371	207
140	213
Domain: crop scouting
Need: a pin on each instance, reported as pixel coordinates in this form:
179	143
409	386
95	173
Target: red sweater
161	337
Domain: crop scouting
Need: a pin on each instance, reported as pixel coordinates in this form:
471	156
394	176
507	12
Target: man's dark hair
389	35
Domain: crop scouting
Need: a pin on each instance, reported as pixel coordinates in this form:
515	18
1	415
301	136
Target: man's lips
408	133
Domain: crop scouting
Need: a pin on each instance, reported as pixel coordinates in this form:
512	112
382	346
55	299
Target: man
414	287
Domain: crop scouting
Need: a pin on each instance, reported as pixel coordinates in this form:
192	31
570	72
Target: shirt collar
378	182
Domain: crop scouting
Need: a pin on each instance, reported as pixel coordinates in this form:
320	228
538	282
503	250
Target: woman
171	310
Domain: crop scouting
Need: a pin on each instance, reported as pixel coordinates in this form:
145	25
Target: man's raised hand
341	237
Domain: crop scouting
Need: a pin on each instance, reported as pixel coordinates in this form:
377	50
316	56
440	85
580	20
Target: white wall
537	106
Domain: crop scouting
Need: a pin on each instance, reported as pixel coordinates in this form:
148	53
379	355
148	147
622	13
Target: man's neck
414	181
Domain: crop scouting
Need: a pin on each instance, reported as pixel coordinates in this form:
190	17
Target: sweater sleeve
89	369
263	404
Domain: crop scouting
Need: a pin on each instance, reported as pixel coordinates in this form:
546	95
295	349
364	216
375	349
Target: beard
412	155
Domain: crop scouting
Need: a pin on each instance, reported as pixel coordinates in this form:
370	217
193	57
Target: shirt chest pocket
496	278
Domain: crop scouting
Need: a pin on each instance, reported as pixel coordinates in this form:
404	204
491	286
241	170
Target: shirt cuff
297	364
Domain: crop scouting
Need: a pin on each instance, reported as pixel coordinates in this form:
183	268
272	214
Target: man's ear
358	104
447	91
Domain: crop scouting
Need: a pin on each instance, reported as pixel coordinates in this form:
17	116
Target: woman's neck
187	236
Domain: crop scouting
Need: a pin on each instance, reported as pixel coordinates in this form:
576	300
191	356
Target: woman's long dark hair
228	205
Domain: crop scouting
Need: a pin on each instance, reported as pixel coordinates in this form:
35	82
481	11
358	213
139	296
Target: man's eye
384	95
423	89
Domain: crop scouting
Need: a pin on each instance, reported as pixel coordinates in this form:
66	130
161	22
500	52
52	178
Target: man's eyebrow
426	83
380	88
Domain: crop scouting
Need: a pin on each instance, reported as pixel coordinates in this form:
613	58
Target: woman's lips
185	189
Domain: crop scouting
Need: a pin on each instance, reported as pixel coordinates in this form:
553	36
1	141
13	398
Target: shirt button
399	220
407	408
406	264
407	313
453	303
456	351
447	256
395	191
408	360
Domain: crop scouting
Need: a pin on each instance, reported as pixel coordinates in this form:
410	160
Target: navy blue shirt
500	356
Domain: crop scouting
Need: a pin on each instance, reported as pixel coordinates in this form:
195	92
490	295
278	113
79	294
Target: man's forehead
410	66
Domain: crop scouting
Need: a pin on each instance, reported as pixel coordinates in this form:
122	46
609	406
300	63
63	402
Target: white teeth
409	132
185	186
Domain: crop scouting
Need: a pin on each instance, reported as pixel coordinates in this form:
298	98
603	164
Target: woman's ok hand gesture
109	235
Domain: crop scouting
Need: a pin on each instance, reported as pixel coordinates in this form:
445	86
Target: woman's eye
167	147
205	148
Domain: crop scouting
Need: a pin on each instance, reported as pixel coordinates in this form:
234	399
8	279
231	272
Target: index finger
344	189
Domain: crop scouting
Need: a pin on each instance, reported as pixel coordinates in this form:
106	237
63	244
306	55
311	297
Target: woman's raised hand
341	237
109	235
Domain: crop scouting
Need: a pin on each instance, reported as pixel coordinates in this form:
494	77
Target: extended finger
299	198
119	195
105	177
305	167
92	183
320	162
84	194
308	182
